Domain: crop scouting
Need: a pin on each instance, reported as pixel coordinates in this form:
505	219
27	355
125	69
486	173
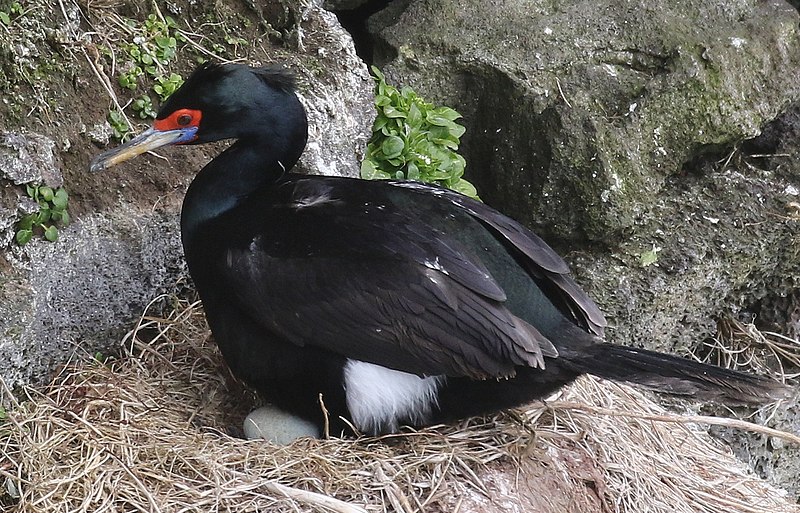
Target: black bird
398	302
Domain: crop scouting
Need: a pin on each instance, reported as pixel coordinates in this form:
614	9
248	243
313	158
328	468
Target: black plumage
302	277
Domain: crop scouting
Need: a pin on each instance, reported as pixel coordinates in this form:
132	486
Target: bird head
223	101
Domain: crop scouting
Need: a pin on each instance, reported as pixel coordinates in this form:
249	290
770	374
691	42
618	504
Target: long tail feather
673	374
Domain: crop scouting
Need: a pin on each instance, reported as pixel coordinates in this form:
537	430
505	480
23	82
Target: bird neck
245	167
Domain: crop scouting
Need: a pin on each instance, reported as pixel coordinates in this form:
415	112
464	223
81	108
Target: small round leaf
26	223
413	171
392	147
51	233
24	236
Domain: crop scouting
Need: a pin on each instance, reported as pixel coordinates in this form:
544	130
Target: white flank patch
379	399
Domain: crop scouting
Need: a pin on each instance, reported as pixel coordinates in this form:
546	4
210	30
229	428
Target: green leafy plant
119	125
413	139
166	85
154	46
14	9
649	257
52	211
143	106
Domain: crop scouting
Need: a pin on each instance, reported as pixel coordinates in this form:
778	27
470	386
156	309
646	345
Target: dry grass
742	346
147	432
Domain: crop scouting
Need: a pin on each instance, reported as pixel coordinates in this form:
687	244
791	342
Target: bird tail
673	374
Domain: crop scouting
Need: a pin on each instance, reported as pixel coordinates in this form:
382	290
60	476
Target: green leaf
380	122
434	119
392	147
5	18
369	171
465	188
414	117
408	94
65	218
391	112
457	130
412	171
42	216
31	190
51	233
26	223
24	236
377	73
447	113
60	199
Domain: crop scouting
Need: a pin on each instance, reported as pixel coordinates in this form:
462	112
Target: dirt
563	480
57	93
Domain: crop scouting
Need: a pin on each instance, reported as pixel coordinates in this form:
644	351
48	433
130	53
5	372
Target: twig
561	91
313	498
680	419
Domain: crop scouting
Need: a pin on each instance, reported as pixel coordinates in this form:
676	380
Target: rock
29	158
583	122
577	113
277	426
337	95
343	5
83	292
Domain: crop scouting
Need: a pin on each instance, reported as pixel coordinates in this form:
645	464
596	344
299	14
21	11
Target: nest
149	432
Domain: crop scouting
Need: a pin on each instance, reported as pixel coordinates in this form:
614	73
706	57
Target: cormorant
396	302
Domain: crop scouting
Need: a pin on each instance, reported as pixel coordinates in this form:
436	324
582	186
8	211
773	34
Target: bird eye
179	120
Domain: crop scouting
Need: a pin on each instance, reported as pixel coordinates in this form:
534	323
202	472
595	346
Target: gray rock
580	120
82	293
336	91
28	158
577	112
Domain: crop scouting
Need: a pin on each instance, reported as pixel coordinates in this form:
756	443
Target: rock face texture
579	112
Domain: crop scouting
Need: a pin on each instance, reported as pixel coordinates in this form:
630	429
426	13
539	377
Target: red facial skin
181	118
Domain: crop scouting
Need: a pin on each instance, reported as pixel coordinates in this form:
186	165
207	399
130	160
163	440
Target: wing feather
380	285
